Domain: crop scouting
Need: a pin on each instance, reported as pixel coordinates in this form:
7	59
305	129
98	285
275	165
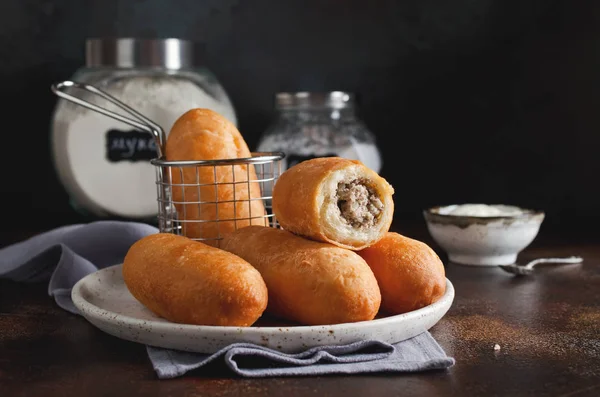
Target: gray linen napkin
66	254
413	355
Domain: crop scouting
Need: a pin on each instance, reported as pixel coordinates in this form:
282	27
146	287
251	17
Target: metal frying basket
189	193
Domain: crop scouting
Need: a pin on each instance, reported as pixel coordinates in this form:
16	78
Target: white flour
79	142
482	210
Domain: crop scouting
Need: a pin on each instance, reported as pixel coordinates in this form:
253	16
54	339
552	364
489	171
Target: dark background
491	101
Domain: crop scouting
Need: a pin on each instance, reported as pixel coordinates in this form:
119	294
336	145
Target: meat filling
358	203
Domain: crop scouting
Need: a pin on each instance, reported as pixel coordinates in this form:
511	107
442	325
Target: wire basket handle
144	123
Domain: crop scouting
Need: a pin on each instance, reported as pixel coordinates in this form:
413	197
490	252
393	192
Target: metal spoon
528	269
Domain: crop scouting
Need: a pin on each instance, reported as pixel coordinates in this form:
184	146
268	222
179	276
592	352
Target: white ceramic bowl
483	241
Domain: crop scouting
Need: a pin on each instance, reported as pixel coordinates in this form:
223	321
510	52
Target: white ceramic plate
104	300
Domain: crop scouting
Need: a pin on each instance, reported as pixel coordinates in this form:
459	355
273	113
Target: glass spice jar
315	124
104	164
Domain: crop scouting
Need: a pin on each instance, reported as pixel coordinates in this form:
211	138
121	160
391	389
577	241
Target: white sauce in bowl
481	210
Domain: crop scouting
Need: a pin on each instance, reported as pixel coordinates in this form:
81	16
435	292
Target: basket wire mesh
199	199
183	194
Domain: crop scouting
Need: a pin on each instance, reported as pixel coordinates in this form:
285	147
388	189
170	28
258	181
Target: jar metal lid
306	100
124	52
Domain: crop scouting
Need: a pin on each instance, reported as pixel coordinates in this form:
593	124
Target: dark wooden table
548	328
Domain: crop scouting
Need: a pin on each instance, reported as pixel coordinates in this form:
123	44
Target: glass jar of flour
312	124
103	163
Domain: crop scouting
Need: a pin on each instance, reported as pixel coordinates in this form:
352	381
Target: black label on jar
130	145
293	159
